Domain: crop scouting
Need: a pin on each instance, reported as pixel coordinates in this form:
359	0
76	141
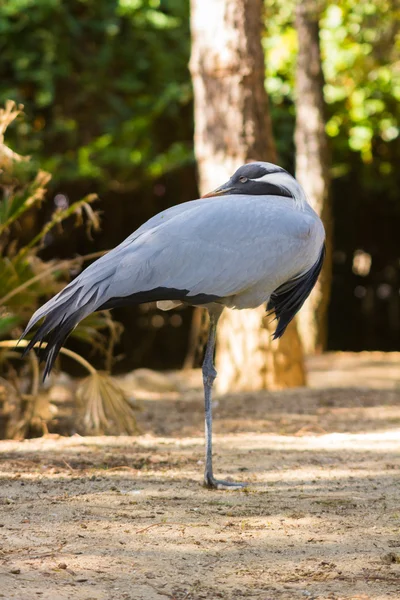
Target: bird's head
262	179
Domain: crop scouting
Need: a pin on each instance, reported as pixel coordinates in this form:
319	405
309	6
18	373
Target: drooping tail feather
65	310
61	317
287	300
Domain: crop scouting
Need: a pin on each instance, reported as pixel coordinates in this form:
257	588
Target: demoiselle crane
253	240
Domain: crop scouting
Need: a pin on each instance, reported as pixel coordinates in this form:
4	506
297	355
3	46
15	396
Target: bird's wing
218	248
159	219
200	251
104	267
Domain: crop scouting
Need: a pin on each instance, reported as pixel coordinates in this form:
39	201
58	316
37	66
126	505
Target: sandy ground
126	518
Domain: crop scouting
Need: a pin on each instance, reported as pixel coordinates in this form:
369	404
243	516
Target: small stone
391	558
15	571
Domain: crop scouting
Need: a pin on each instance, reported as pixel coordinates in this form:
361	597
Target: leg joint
209	374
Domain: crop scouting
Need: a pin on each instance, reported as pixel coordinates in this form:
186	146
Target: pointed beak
221	191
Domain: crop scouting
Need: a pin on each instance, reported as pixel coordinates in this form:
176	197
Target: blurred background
108	124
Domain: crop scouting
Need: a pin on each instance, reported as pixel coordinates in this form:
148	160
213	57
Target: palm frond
105	407
103	404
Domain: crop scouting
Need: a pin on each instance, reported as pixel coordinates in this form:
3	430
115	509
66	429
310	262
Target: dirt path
125	518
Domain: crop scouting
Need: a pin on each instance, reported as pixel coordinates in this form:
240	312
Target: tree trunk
313	163
232	127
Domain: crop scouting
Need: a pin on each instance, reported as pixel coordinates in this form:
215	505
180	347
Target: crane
253	240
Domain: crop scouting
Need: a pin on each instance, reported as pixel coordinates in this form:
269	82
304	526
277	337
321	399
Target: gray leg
209	375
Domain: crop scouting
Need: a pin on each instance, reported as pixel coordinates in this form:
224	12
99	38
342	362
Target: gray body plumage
254	240
236	248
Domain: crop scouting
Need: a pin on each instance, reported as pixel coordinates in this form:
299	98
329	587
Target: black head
259	179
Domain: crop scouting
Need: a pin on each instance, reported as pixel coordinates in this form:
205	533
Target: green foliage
360	44
104	83
107	90
24	278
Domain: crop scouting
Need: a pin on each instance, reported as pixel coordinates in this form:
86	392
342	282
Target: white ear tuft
284	180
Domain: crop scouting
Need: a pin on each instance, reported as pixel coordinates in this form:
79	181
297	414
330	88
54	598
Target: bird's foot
220	484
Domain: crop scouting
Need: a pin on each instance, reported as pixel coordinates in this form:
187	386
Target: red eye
242	179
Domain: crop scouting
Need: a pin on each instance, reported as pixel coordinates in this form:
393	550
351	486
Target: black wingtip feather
288	298
54	331
54	340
